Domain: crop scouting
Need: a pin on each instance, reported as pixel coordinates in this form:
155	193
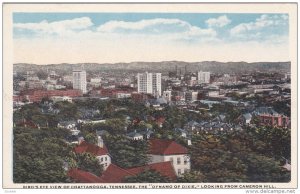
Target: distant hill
164	67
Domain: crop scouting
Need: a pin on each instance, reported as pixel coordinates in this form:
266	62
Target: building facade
169	150
191	96
149	83
79	80
167	95
203	77
99	151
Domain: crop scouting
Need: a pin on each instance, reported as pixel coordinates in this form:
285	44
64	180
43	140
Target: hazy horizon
155	62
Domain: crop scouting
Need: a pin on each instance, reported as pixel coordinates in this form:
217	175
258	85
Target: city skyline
153	37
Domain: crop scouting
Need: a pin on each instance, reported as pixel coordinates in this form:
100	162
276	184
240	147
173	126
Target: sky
51	38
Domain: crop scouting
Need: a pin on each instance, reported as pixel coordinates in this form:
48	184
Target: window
185	161
179	171
178	160
101	159
105	158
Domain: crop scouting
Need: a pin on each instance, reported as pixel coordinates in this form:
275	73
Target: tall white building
79	80
203	77
149	83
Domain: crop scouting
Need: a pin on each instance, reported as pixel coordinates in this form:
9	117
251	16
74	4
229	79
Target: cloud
218	22
158	26
58	27
260	23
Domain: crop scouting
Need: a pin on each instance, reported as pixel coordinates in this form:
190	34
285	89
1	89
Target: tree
88	162
234	157
147	176
117	126
191	177
277	140
126	153
39	155
264	169
68	111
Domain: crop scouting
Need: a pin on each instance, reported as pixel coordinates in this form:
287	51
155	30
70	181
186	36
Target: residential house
246	118
67	125
168	150
183	133
99	150
147	133
134	135
269	117
191	126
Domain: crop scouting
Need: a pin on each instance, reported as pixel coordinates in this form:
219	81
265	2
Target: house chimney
100	142
80	140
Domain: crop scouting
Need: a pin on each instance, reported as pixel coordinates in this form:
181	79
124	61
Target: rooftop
91	148
165	147
81	176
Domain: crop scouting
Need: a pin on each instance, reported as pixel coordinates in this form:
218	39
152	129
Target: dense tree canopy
253	154
39	155
147	176
126	153
86	162
235	158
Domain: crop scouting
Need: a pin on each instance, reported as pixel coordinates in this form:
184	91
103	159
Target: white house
168	150
134	135
61	99
99	150
67	125
247	118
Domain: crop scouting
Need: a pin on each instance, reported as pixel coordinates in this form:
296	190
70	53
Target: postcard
150	96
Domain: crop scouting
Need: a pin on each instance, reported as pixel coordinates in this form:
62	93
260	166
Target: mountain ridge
163	66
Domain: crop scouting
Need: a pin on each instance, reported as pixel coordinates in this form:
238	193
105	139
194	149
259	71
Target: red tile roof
81	176
27	124
164	168
165	147
115	174
91	148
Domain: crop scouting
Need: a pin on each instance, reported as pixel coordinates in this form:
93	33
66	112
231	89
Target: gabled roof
165	147
134	134
115	174
81	176
247	116
146	132
180	130
91	148
161	101
192	123
164	168
265	111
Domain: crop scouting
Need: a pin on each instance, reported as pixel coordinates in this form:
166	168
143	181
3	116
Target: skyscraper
149	83
79	80
203	77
